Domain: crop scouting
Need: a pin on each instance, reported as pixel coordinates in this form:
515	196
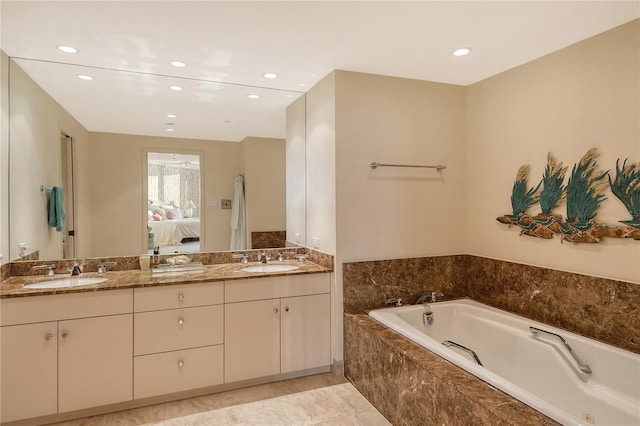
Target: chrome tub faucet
429	297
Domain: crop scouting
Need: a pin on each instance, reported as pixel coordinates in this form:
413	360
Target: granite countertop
116	280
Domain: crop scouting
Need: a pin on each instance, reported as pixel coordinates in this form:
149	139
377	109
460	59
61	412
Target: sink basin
66	283
270	268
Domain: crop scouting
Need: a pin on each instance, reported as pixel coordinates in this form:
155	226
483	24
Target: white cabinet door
95	362
28	370
305	332
251	340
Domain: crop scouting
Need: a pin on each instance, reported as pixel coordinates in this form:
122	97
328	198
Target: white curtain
238	216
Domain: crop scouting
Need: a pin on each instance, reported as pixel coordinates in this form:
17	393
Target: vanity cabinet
29	370
65	352
179	338
276	325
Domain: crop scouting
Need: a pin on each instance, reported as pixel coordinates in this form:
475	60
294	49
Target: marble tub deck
323	399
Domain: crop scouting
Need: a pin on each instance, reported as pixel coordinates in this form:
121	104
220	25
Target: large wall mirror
89	130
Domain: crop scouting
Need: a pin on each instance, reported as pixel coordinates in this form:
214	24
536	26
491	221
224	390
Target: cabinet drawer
276	287
22	310
177	371
178	296
169	330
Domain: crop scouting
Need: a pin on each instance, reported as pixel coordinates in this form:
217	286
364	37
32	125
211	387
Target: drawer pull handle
180	321
180	363
180	296
286	309
275	310
49	336
65	334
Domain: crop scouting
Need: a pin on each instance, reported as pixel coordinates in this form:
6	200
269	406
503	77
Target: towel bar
374	165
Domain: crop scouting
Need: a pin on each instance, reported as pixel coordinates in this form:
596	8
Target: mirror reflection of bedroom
173	194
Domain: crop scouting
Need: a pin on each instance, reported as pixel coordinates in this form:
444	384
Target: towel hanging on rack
57	215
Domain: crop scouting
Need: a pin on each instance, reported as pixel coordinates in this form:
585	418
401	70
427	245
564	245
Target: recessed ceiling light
68	49
176	88
170	129
178	64
270	75
85	77
253	96
171	116
463	51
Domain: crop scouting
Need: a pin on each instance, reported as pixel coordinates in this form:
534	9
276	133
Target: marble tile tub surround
367	285
599	308
124	263
411	386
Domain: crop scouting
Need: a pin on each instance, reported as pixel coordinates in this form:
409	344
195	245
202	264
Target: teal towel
57	215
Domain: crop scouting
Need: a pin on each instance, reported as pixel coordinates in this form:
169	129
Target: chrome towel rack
374	165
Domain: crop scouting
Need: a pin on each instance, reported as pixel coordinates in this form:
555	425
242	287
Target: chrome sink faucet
262	257
75	270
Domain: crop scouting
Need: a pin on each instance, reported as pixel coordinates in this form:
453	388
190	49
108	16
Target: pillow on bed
160	212
149	215
173	214
157	217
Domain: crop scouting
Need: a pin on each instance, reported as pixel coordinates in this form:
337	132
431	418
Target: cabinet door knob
180	296
286	309
275	310
65	334
180	321
180	363
49	336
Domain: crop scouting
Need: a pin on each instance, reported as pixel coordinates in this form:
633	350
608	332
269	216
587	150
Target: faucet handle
50	269
102	266
394	301
244	257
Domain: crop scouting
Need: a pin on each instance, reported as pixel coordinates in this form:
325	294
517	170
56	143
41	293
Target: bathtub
532	366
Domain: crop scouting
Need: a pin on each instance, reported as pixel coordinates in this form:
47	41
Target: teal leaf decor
553	193
585	191
583	195
521	198
626	187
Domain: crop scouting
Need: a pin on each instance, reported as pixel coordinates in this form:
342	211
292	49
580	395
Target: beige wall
264	162
115	171
295	174
321	164
37	122
584	96
398	212
4	157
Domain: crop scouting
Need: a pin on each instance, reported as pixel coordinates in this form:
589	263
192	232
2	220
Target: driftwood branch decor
583	194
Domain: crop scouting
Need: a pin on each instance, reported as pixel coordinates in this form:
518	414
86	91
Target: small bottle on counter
156	255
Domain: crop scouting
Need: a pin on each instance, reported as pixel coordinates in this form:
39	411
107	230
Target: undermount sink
270	268
66	283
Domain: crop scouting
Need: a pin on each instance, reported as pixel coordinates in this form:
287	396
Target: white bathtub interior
534	368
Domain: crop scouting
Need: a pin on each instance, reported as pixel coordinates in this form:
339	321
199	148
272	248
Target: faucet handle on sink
244	257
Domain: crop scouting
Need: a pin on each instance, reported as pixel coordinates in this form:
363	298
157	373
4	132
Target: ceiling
227	47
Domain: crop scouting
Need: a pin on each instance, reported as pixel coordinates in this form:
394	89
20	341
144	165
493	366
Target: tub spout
581	365
429	297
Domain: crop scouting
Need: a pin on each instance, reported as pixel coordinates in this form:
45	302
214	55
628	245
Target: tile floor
323	399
